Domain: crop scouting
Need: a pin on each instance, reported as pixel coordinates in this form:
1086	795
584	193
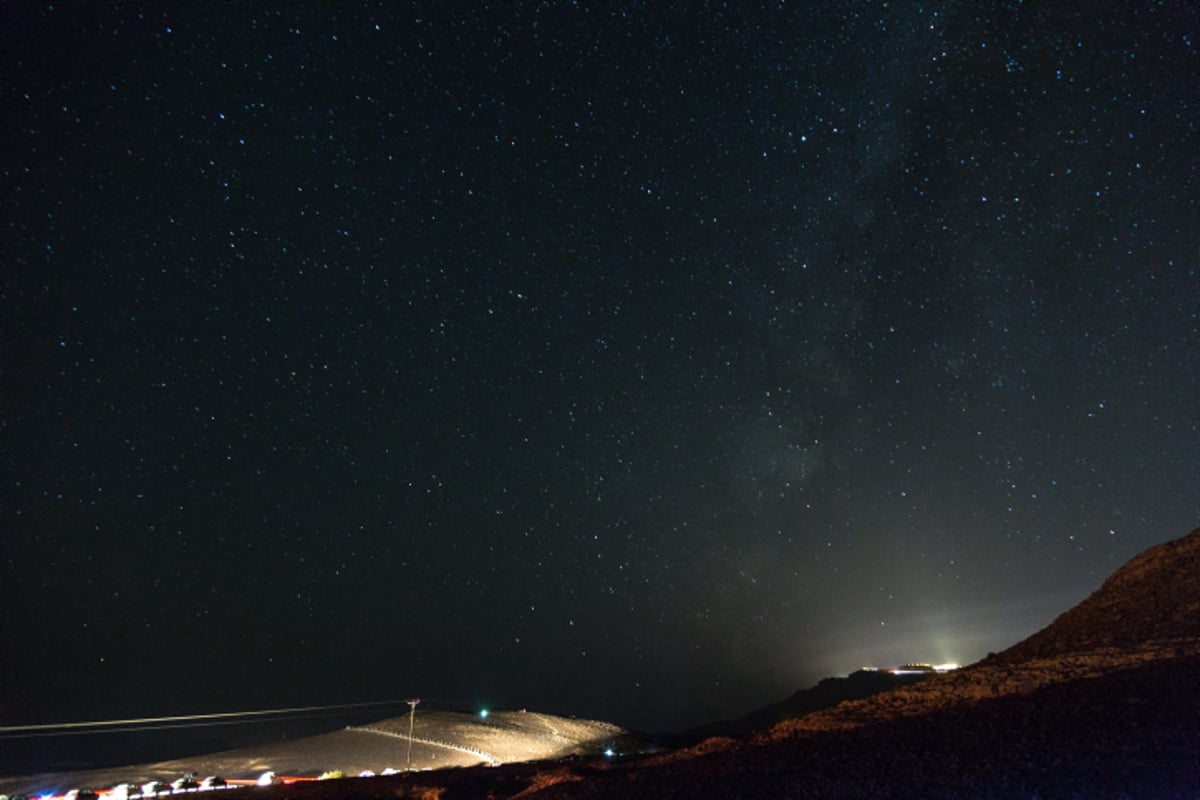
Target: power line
200	720
143	728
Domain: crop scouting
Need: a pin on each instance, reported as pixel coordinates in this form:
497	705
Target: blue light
483	713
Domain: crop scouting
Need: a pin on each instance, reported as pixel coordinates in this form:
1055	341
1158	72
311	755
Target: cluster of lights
914	669
917	669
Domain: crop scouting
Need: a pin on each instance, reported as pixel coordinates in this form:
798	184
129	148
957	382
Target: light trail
491	759
200	720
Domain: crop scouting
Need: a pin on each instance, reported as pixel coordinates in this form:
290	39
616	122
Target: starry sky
640	361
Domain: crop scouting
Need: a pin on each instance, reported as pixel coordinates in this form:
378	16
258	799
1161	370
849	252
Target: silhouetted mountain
828	693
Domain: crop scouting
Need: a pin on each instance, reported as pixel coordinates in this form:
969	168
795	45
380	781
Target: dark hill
1153	598
830	692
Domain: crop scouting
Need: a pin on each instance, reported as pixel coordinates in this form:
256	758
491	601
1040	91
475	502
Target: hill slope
1104	702
1148	611
1155	597
440	739
829	693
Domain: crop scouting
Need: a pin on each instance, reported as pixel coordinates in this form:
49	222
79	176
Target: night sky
629	361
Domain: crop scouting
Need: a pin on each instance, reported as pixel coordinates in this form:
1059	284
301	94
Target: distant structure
919	669
412	713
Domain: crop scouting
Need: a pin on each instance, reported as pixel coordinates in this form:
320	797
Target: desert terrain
1103	703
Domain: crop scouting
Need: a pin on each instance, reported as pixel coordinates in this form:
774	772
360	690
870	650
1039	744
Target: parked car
125	791
187	783
212	782
153	788
269	779
81	794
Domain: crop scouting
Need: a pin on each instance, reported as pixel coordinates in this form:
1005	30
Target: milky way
632	362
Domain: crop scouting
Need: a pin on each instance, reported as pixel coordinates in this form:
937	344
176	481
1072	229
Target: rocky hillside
1153	598
1148	611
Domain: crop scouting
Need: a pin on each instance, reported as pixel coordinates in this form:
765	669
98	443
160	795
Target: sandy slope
440	739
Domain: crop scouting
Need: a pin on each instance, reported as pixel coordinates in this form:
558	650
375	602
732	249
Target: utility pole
412	713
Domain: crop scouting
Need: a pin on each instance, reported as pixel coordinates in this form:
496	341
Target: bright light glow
483	713
920	669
